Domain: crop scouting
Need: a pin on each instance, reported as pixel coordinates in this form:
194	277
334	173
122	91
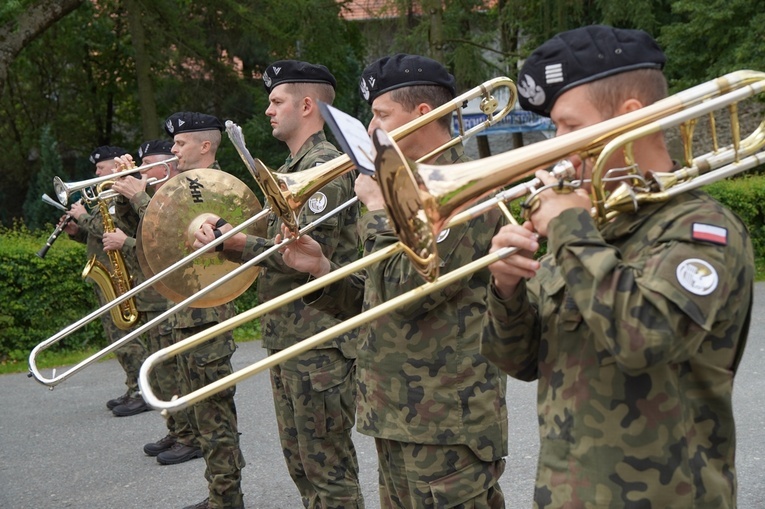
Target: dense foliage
109	72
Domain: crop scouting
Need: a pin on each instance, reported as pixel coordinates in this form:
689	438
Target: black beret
580	56
154	147
400	70
294	71
189	121
106	153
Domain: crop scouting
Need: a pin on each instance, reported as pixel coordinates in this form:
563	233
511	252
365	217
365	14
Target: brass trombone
286	195
65	189
469	182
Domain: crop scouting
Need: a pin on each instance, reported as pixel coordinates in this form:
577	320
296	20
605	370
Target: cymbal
176	211
146	268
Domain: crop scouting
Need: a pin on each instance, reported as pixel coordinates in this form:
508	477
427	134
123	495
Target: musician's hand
124	162
214	227
304	254
129	186
368	191
71	227
552	203
77	210
113	241
507	273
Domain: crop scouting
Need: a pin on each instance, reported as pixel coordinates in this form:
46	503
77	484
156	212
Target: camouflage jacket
337	236
634	334
130	213
421	376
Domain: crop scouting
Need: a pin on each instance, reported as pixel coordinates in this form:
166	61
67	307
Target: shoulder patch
710	233
317	203
697	276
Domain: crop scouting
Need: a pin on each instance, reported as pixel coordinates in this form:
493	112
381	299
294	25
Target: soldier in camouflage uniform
130	208
435	406
89	229
213	421
314	393
634	330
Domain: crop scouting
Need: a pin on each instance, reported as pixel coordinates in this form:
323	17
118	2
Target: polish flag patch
710	233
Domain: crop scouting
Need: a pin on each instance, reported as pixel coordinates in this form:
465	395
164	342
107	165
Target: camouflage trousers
426	476
213	420
165	378
314	398
131	355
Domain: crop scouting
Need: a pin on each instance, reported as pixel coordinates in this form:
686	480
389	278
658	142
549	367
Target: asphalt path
64	449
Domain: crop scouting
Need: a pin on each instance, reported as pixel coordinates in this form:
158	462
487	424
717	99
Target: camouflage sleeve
81	236
342	299
396	275
139	202
92	224
510	337
646	312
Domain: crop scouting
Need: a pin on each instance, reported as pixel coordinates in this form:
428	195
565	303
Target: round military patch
317	203
442	236
697	276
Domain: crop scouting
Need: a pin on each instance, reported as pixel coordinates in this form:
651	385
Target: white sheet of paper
351	135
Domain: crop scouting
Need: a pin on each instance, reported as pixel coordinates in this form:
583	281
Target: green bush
746	197
41	296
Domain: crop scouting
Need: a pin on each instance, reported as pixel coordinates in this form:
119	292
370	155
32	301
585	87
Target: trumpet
286	196
421	215
65	189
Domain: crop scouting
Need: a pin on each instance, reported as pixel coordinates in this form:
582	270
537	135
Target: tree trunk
18	33
149	120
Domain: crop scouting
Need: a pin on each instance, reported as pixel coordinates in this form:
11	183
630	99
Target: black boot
179	453
159	446
112	403
134	405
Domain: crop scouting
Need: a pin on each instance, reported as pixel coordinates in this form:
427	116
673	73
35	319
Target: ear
205	146
307	106
423	109
629	106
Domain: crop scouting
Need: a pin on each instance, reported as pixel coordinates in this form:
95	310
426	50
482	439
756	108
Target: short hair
317	91
212	135
432	95
646	85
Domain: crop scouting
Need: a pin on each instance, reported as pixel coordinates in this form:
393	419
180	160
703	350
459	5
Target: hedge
42	296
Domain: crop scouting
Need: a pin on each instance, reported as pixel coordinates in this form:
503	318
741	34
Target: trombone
65	189
472	181
286	196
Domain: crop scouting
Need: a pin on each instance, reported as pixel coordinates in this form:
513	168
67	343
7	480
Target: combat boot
204	504
134	405
178	453
159	446
112	403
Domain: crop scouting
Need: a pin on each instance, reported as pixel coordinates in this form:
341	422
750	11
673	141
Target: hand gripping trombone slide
286	195
476	179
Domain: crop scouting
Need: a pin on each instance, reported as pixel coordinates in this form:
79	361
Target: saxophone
116	283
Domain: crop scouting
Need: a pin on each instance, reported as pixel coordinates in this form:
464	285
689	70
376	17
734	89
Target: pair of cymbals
166	235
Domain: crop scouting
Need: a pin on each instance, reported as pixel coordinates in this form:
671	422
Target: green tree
708	39
38	214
